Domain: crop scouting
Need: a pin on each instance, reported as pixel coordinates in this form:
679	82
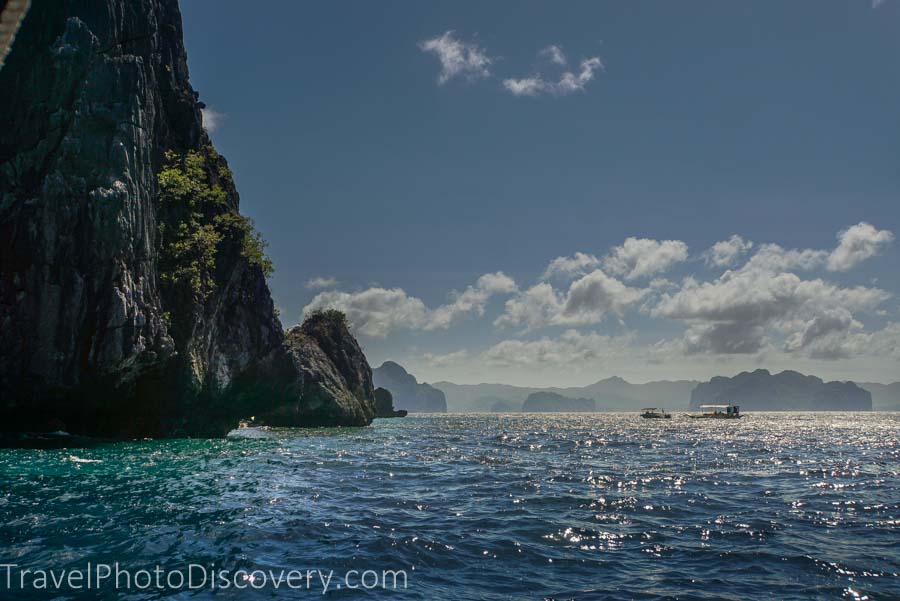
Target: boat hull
715	416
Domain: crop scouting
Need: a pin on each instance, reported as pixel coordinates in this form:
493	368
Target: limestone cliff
333	381
133	295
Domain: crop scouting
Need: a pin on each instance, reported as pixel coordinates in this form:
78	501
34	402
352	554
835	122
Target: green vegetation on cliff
200	221
334	316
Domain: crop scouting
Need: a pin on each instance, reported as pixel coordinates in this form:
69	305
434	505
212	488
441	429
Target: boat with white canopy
718	412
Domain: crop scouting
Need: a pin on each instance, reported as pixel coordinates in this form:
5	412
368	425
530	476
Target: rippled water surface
785	506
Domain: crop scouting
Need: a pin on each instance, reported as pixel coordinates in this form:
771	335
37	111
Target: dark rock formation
408	393
786	391
384	404
552	402
333	381
100	333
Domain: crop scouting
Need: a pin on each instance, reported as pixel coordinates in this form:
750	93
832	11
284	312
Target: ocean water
600	506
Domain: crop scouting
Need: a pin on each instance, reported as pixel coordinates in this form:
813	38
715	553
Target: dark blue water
605	506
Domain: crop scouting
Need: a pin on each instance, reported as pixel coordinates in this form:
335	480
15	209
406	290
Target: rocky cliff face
133	299
333	381
786	391
408	393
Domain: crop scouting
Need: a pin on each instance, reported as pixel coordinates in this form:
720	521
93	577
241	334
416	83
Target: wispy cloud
554	54
467	60
526	86
321	283
433	360
571	347
458	58
212	119
568	83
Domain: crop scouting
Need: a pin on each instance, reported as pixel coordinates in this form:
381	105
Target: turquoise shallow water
601	506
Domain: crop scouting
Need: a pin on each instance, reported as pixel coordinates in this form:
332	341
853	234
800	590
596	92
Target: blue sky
381	148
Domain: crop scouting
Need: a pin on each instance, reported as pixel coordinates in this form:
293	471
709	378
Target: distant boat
718	412
655	413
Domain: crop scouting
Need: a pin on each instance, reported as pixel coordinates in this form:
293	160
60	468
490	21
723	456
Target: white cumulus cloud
773	258
770	301
744	310
839	336
377	311
588	300
856	244
639	257
472	300
725	252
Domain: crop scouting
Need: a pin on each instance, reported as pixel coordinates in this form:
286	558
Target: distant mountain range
616	394
786	391
550	401
611	394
